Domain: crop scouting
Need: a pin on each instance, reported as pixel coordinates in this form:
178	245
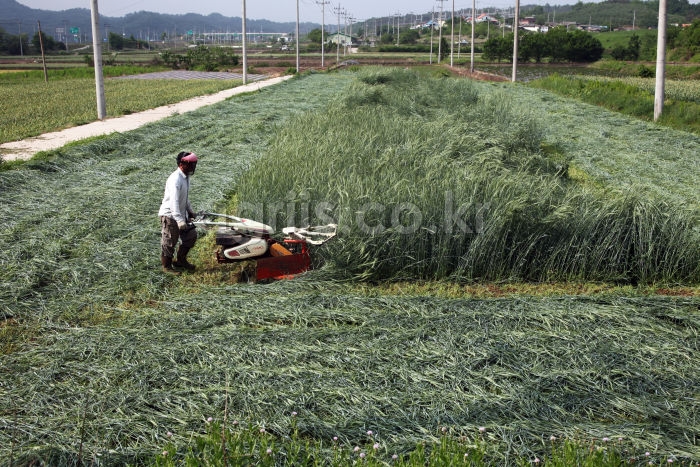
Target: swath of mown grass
115	355
429	179
80	223
402	367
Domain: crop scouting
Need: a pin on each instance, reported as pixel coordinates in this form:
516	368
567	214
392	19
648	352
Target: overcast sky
278	10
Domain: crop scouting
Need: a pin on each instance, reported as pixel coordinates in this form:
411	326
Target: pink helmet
191	157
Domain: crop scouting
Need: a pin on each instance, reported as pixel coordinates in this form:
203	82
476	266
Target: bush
645	72
201	58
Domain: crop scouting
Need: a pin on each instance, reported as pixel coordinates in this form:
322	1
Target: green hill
615	13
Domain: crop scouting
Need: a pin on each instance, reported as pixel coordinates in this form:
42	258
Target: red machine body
248	241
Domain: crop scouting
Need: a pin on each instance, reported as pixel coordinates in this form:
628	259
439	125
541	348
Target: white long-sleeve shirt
176	203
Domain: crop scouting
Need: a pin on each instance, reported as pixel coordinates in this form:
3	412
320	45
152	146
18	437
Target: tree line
556	45
10	44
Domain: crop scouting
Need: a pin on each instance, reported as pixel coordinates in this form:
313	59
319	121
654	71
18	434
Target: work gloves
185	226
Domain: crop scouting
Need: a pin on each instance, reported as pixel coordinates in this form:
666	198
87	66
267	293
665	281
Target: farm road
27	148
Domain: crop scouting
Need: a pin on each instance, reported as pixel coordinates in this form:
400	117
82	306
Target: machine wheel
248	274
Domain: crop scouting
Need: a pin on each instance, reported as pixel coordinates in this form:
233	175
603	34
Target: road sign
75	30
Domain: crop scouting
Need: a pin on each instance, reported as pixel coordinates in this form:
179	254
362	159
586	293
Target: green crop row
429	179
680	90
31	107
632	97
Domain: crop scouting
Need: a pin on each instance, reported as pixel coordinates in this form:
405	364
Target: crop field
31	106
105	361
633	96
682	90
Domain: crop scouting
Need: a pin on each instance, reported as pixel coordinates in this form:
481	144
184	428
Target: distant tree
633	47
631	51
678	7
689	37
408	36
50	44
583	47
10	44
201	58
672	35
497	48
116	41
444	48
315	35
532	46
619	52
557	44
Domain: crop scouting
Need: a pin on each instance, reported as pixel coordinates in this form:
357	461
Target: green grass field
106	361
32	107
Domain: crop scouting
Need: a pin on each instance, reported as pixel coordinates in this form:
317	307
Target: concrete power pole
516	23
323	4
452	37
471	67
660	62
297	34
97	58
339	11
439	58
245	55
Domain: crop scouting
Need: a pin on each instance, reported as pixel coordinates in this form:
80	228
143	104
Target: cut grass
107	355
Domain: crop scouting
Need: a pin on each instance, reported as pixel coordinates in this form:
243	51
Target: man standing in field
176	215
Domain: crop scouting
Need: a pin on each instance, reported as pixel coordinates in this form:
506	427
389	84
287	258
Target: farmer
176	216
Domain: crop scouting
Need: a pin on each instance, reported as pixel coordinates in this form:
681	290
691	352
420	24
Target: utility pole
471	66
65	33
97	58
432	28
440	26
21	52
43	56
660	62
245	55
323	4
452	36
398	27
107	35
459	38
297	33
516	23
346	15
339	11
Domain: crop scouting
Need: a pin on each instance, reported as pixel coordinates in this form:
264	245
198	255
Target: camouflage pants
170	234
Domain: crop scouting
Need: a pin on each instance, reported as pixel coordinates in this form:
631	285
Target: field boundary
27	148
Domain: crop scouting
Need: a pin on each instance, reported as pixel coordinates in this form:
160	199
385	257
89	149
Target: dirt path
27	148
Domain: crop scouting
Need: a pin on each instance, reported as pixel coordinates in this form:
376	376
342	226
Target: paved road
27	148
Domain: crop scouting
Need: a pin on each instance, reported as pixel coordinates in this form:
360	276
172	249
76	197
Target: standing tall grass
428	179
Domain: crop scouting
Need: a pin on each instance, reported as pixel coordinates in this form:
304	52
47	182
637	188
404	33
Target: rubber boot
181	261
167	263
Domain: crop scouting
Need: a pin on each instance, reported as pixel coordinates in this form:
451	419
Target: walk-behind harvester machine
240	240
